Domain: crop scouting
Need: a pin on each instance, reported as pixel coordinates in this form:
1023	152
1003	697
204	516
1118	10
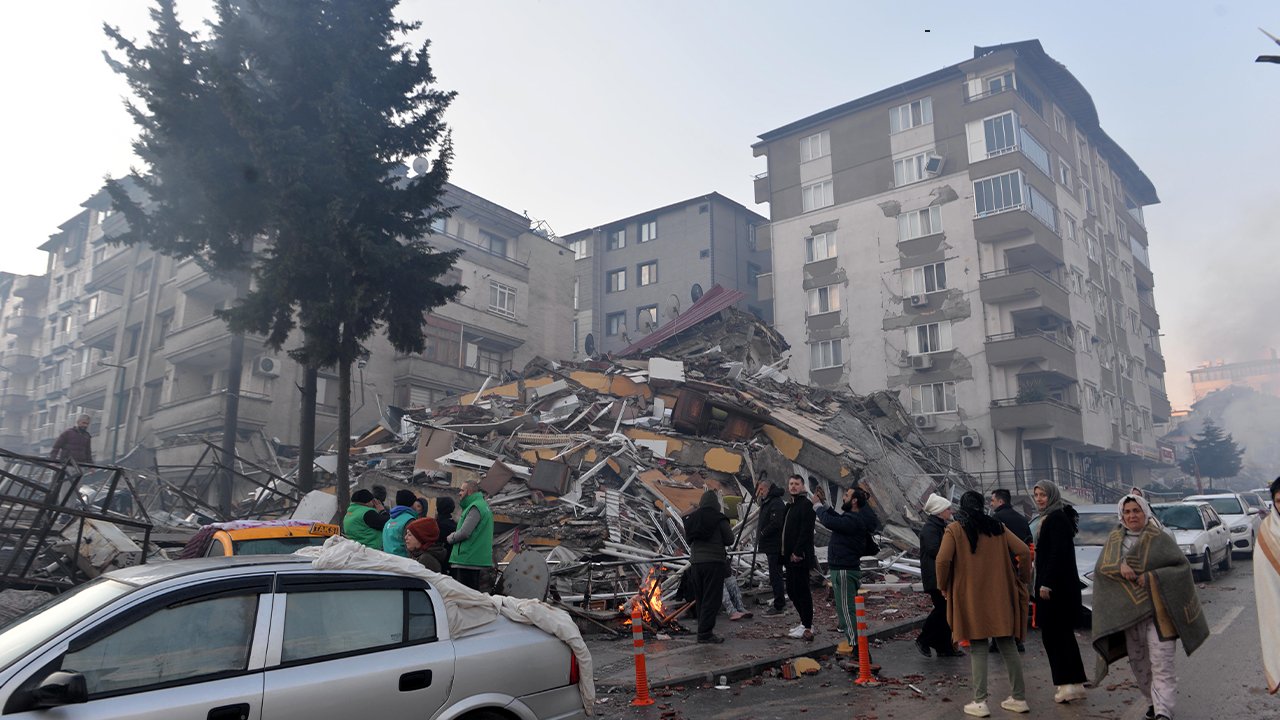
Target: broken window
647	317
615	323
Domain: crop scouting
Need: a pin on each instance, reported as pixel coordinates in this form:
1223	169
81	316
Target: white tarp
466	609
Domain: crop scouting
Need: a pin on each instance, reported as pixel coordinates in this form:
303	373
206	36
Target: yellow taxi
268	539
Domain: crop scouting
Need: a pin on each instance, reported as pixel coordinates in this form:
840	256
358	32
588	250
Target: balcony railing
1051	337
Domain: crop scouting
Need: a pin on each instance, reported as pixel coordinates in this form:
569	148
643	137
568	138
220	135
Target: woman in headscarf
1057	590
1266	587
986	596
1140	577
707	530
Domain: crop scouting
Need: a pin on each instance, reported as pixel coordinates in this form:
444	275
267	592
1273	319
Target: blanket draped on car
1266	587
466	609
1169	596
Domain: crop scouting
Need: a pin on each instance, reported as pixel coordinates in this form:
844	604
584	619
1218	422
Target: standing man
708	533
1266	585
773	509
401	515
1002	509
364	519
935	634
74	442
850	529
444	518
471	560
798	556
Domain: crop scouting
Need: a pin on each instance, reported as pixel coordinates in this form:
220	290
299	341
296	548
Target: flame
648	597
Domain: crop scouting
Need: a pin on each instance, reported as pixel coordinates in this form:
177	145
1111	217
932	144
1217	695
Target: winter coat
849	533
986	596
433	558
708	532
1014	520
1056	560
797	531
393	531
930	542
73	444
773	509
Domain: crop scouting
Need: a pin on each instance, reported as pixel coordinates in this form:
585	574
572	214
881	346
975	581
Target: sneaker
736	615
796	632
977	709
807	636
844	648
1067	693
773	611
1013	705
710	639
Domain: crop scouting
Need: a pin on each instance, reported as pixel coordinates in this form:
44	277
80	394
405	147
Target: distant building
973	239
1261	375
635	274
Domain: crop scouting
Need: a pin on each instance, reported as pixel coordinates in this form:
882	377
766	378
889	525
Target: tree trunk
344	435
230	425
307	431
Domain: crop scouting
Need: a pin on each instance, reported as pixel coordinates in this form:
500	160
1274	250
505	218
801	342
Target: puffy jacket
797	531
849	533
773	509
930	542
708	532
393	531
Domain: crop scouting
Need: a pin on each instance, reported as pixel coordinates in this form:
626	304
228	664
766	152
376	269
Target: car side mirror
1254	511
60	688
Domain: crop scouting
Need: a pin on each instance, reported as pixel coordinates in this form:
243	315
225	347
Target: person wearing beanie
364	520
444	518
420	538
401	515
935	634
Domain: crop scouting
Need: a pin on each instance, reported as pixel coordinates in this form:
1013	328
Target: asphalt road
1222	681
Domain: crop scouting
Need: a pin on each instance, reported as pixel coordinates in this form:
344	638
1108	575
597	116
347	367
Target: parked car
1264	494
1200	533
1096	523
259	537
1241	518
270	637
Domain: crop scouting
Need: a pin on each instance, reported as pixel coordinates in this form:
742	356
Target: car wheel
486	715
1225	565
1206	570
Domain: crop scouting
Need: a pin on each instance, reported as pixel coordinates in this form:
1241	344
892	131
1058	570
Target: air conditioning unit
921	362
971	441
933	165
919	300
266	366
924	422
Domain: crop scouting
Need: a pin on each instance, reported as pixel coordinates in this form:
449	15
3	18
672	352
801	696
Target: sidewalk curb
743	671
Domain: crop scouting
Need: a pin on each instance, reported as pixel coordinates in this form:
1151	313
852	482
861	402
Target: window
618	239
162	331
945	454
933	398
910	169
336	622
1000	83
1035	152
919	223
905	117
753	274
929	278
616	280
495	244
1064	174
183	641
615	323
825	354
438	225
819	247
1069	227
815	146
998	194
576	284
1001	133
929	338
579	248
492	362
91	307
1059	122
647	317
824	299
647	273
132	337
443	341
648	231
502	299
817	195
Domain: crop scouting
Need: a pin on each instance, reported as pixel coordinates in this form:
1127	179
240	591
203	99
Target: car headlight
1185	548
1239	529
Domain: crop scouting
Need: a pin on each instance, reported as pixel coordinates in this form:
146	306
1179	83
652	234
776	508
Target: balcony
15	402
205	413
91	390
20	364
1143	274
110	274
1025	283
31	286
100	332
1044	247
205	343
194	280
762	188
1155	360
1050	354
12	440
1048	419
26	326
1149	315
1160	408
764	286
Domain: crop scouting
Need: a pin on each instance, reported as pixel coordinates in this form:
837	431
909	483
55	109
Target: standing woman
1057	591
986	596
708	533
1266	585
1144	600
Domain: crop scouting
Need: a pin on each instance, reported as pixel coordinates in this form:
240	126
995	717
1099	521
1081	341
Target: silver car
271	638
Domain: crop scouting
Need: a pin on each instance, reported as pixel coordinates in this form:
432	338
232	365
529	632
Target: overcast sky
583	112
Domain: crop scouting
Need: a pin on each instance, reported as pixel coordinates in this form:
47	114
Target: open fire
649	598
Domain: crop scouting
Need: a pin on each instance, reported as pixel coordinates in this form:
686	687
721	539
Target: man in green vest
472	557
401	515
364	520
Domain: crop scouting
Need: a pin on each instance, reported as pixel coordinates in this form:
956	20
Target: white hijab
1142	503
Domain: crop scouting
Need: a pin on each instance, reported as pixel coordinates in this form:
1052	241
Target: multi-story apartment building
634	274
973	239
146	357
1262	375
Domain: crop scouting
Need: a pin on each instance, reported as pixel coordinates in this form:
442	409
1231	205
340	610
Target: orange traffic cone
642	675
864	652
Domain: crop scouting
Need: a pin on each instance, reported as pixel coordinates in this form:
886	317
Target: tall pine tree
1212	454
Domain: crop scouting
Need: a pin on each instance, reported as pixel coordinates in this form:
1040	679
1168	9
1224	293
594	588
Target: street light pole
119	408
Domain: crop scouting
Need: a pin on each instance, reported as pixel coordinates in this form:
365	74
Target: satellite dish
672	307
589	344
695	292
421	165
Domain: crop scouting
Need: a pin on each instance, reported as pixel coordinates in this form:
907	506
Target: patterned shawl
1169	596
1266	587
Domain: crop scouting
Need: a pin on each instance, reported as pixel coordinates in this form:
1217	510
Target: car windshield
1252	500
27	632
275	546
1226	505
1180	517
1095	527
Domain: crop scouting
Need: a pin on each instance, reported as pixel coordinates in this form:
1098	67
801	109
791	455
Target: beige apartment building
129	336
973	239
1262	375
